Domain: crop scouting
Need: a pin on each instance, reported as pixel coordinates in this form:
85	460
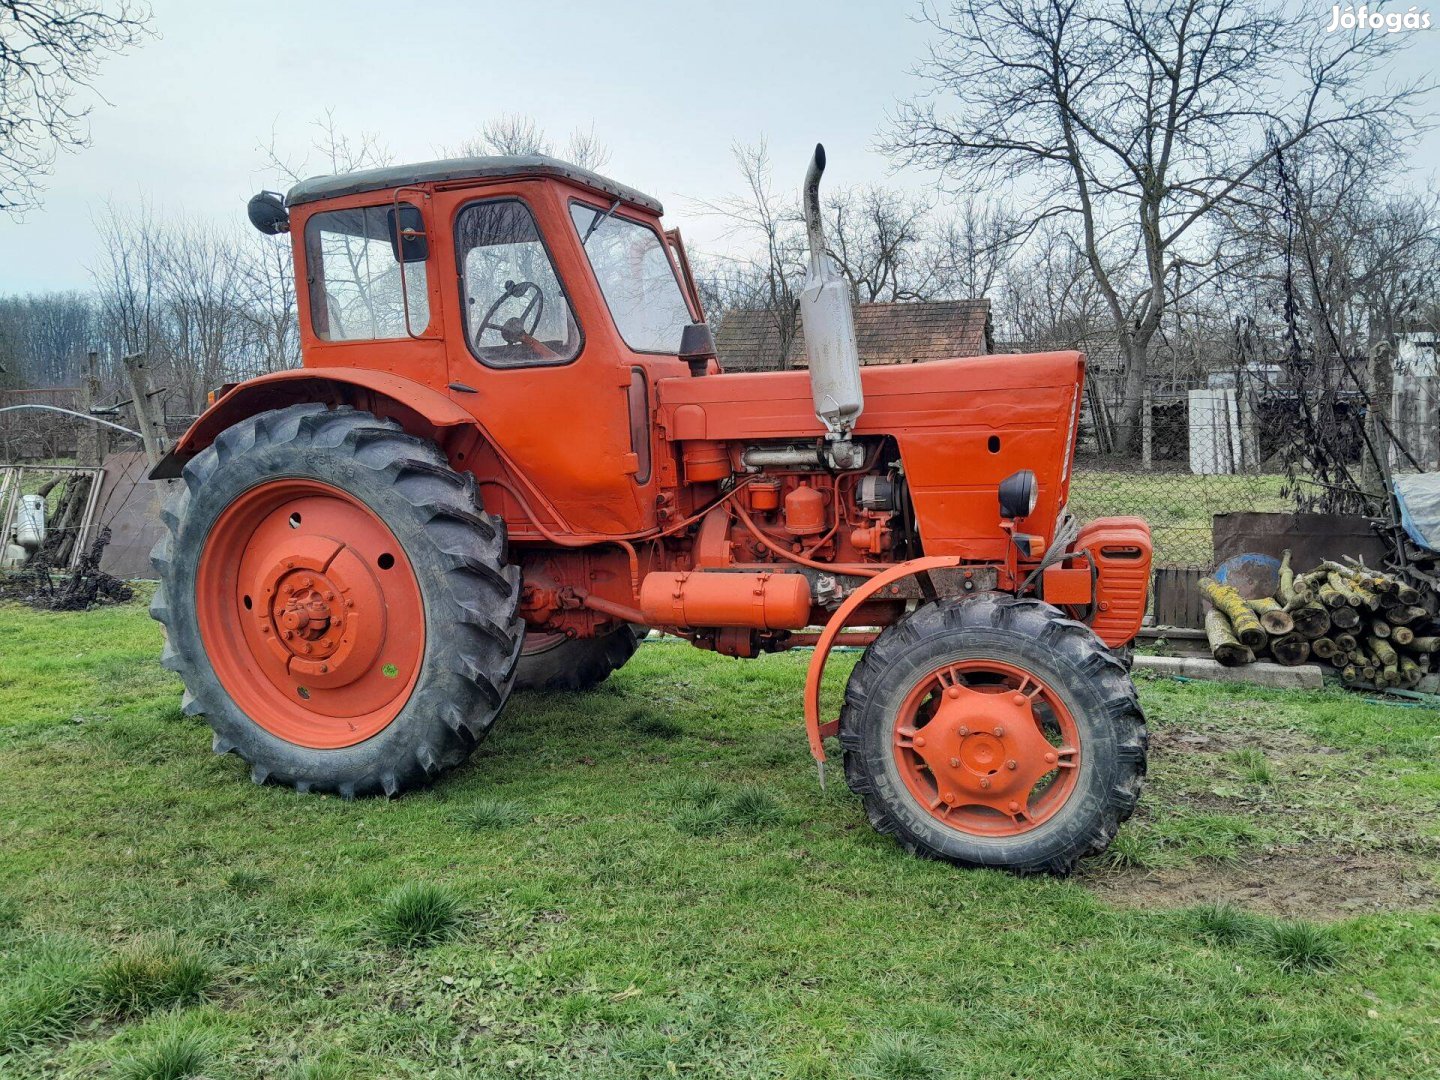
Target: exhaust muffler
829	321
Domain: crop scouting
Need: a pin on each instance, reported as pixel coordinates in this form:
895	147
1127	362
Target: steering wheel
514	330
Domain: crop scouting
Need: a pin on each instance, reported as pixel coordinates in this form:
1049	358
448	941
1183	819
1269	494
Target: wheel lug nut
1019	699
948	797
954	763
329	596
999	731
985	781
1050	759
962	731
919	740
324	669
289	564
1014	807
1011	764
309	649
953	692
289	635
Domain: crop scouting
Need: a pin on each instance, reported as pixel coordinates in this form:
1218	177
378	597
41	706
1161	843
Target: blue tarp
1419	498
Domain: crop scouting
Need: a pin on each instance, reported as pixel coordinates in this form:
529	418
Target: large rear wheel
556	662
992	731
337	603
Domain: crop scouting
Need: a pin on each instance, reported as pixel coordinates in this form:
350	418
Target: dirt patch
1291	884
1205	739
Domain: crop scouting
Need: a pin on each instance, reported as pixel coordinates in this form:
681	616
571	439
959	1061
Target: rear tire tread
466	681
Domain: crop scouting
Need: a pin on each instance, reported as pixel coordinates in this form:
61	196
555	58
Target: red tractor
511	446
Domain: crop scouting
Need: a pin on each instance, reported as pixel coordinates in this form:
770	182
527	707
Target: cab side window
355	279
516	311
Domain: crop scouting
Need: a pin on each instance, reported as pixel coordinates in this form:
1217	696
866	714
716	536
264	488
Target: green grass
647	882
418	915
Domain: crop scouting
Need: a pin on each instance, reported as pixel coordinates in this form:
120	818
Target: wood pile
1368	625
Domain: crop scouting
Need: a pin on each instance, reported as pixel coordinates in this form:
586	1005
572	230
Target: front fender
417	408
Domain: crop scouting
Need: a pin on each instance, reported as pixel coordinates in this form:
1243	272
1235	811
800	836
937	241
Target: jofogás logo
1363	18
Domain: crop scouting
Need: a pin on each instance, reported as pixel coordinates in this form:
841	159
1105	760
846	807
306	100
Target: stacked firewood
1368	625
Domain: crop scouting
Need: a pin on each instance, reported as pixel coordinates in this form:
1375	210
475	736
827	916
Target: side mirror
407	233
1018	495
268	214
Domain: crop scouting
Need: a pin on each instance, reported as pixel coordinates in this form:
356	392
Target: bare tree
50	52
1137	121
879	237
516	134
770	225
335	150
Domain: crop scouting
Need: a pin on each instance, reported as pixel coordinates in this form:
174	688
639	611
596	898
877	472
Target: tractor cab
543	298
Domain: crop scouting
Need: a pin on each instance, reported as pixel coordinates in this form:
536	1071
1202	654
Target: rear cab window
355	278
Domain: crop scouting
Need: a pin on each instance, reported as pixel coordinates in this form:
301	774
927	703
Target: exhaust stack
829	323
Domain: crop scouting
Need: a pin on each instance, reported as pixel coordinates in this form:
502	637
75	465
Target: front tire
994	732
336	602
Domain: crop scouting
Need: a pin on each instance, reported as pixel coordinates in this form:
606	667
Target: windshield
636	278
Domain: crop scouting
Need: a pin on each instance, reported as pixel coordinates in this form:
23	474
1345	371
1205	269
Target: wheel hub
313	613
981	749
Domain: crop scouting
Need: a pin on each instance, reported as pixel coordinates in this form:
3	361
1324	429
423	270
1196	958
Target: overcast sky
668	86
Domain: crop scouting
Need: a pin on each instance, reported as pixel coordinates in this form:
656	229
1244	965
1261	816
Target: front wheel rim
310	612
986	747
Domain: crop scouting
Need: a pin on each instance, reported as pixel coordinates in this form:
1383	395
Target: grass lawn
646	882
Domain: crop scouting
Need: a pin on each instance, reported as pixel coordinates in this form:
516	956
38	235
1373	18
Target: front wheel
993	731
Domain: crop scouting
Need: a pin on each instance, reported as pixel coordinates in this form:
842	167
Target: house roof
464	168
1100	355
896	333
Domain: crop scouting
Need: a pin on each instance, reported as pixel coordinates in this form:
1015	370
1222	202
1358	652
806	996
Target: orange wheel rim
310	613
986	747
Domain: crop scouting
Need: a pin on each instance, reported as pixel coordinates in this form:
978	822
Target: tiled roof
902	333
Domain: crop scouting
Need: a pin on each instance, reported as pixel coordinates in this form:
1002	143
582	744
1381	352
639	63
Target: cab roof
465	168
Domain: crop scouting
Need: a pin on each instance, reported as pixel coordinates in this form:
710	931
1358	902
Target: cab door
538	352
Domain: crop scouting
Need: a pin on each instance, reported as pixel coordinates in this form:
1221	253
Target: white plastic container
30	522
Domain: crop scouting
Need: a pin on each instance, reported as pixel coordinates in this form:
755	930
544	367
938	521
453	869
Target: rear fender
420	410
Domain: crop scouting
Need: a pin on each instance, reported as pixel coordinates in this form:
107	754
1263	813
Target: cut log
1406	594
1402	635
1382	651
1349	674
1324	648
1345	642
1362	577
1341	584
1224	645
1276	621
1243	621
1347	618
1404	614
1286	592
1311	620
1380	628
1292	650
1329	595
1425	644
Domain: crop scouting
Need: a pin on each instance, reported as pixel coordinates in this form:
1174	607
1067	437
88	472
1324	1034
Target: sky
669	88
